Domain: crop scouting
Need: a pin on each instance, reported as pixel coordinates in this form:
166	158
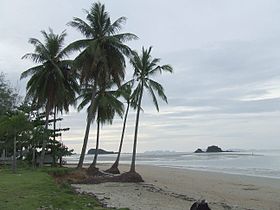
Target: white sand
167	188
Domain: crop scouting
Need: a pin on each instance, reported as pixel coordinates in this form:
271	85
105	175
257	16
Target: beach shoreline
174	188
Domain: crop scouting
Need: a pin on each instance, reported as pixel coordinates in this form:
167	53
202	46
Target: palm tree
106	105
125	91
52	84
102	57
145	67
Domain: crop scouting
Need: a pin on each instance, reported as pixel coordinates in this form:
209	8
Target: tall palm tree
145	67
106	105
102	57
52	84
125	91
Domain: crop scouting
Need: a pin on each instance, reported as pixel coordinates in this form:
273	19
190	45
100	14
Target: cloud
225	87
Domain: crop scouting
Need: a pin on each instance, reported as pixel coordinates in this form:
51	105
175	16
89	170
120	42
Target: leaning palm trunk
92	170
45	139
132	167
114	168
96	147
89	120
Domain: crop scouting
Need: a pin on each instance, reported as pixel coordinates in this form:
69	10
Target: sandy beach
168	188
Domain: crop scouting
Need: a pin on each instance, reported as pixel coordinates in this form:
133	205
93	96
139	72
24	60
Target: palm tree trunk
89	120
54	123
93	165
33	157
20	151
54	127
60	161
116	164
14	155
46	138
132	167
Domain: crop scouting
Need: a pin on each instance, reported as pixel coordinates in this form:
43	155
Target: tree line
22	130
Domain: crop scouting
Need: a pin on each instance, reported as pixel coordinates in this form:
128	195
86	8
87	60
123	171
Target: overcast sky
225	89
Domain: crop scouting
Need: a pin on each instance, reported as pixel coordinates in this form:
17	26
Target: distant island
210	149
100	152
199	151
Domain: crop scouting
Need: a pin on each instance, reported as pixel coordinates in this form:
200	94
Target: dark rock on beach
200	205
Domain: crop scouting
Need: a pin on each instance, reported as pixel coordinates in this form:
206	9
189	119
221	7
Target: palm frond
125	37
83	27
116	26
36	58
135	96
40	48
167	68
31	71
159	89
153	97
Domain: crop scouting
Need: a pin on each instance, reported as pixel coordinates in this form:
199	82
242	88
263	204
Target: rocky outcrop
199	151
214	149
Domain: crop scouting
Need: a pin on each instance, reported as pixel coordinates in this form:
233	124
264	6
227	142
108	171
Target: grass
36	189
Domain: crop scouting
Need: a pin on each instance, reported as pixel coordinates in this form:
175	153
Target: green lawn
35	189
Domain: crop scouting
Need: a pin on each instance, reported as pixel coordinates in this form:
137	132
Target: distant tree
8	101
15	124
145	67
8	96
102	57
58	151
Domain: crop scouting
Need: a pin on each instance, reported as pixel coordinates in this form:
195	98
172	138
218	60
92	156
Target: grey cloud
225	89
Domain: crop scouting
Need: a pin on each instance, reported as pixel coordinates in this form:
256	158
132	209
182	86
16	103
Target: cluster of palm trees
99	68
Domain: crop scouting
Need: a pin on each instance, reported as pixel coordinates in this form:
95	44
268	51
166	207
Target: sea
261	163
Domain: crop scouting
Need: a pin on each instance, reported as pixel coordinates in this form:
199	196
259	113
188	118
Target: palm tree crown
103	51
106	103
51	81
145	67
